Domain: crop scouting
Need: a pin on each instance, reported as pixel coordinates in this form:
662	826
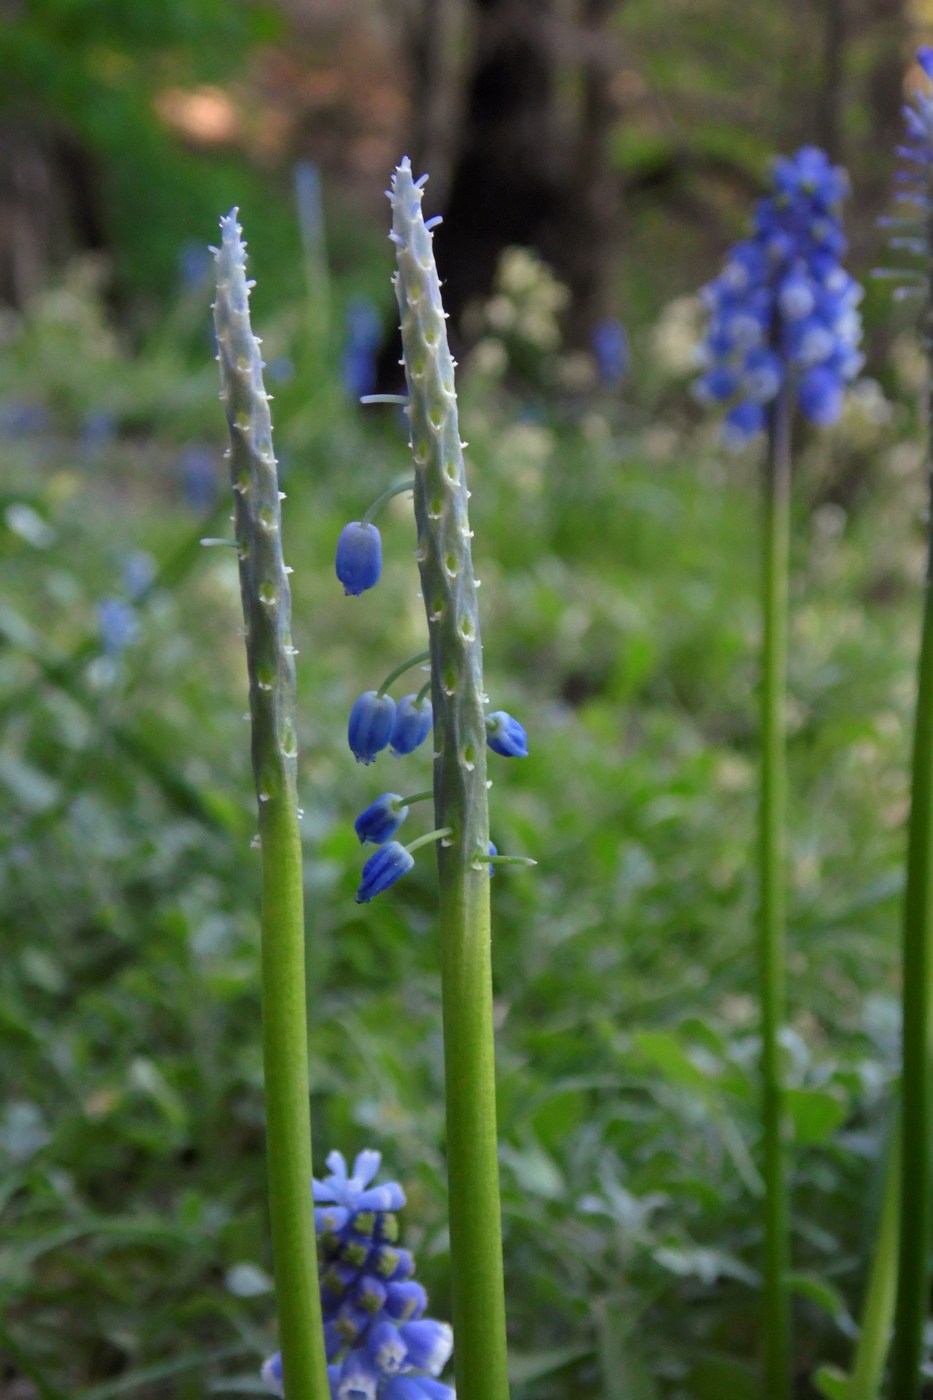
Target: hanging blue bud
389	864
358	1378
429	1344
272	1377
505	735
359	557
381	820
406	1299
370	726
386	1347
493	851
412	725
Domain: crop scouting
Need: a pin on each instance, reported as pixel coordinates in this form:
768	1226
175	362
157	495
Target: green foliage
618	589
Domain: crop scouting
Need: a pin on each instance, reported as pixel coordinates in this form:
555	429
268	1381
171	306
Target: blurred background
593	160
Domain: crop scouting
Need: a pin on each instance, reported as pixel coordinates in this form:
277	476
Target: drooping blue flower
611	352
783	307
389	864
359	557
118	624
381	819
505	735
413	718
379	1345
370	725
360	352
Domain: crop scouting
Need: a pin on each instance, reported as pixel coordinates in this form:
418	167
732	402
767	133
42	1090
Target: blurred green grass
618	564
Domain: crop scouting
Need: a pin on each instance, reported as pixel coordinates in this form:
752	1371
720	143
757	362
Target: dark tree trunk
48	207
508	179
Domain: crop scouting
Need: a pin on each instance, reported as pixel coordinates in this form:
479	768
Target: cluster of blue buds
378	1342
377	722
783	311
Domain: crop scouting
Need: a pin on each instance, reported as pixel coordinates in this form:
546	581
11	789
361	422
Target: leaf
832	1382
824	1295
815	1114
531	1366
664	1052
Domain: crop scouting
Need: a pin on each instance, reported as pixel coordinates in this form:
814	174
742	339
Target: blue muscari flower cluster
379	1344
377	723
783	311
909	231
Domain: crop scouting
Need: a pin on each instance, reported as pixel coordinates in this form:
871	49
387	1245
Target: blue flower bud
743	422
370	726
413	718
506	736
358	1378
819	395
389	864
271	1375
386	1347
359	557
381	820
429	1344
493	851
406	1299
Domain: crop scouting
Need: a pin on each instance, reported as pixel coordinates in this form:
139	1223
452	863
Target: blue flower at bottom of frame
356	1379
389	864
505	735
413	719
370	726
381	819
359	557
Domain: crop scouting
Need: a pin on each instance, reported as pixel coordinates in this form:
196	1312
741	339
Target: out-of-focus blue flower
359	557
505	735
19	419
375	1332
363	338
413	718
381	819
493	851
611	352
389	864
280	369
308	198
118	625
139	570
370	727
98	429
195	265
910	229
197	470
783	307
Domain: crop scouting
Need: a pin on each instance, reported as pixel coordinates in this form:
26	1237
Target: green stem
438	834
776	1321
380	501
878	1308
288	1123
416	797
270	655
916	1215
400	670
461	802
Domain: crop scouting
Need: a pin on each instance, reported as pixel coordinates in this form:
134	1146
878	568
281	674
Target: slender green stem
438	834
916	1208
380	501
878	1307
505	860
288	1124
400	670
776	1322
460	801
270	655
416	797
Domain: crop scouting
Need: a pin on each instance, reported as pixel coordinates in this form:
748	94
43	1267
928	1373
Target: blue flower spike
387	865
370	726
413	718
381	819
506	736
784	310
359	557
380	1346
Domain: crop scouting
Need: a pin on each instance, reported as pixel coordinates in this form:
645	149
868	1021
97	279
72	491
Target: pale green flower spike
460	799
269	651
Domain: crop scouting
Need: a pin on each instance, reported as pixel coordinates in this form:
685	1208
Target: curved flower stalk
783	334
380	1345
270	657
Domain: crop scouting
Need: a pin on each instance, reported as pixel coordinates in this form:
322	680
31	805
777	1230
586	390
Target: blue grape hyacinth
379	1344
783	311
359	557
